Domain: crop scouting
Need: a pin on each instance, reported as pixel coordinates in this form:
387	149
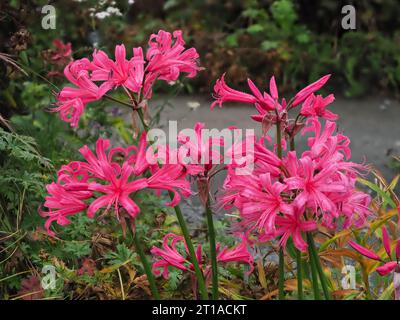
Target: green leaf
269	45
255	28
378	190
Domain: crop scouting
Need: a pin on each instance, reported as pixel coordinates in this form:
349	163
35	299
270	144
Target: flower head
170	255
103	182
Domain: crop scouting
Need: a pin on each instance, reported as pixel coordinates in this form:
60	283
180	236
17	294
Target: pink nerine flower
93	79
167	59
303	94
262	203
170	256
101	182
388	267
270	110
71	101
278	194
200	149
240	254
61	204
315	106
173	256
292	225
314	188
121	72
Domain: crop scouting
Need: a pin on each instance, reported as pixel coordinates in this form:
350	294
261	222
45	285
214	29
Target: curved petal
364	251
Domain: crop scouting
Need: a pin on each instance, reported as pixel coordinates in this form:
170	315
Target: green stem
299	275
314	277
318	266
279	139
281	268
126	104
146	265
213	252
281	280
192	253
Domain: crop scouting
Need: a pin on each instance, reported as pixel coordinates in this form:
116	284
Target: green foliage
121	256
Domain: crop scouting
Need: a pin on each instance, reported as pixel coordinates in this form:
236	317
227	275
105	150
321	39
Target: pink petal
273	89
386	268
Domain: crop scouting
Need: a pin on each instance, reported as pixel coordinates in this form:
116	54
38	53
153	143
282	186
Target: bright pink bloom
167	59
61	204
200	149
171	256
355	207
261	203
263	102
324	144
117	192
386	242
273	89
364	251
103	182
171	177
121	72
315	187
293	224
71	101
223	94
303	94
387	268
315	106
239	254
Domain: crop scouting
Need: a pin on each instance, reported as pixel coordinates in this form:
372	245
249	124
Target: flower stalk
192	252
318	266
299	275
213	251
185	232
146	265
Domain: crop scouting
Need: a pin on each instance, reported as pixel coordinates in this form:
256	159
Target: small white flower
114	11
101	15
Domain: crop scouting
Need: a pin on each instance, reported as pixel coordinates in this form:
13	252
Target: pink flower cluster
165	60
287	196
108	180
170	255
